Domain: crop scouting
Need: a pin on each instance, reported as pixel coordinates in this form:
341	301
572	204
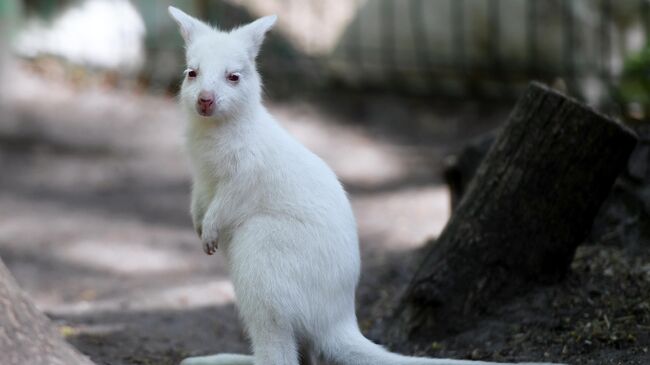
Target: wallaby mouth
205	110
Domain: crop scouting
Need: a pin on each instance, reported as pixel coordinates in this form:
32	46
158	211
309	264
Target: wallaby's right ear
188	25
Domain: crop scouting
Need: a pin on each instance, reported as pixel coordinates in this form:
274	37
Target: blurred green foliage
634	87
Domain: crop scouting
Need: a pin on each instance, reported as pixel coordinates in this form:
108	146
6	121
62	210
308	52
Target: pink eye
191	74
233	77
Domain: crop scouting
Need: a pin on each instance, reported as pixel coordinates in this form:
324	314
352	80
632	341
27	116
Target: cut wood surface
531	203
26	335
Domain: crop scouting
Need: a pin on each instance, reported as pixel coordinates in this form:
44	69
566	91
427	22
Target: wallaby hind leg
306	358
220	359
274	345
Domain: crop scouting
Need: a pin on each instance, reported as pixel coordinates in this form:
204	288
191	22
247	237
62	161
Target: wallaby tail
349	347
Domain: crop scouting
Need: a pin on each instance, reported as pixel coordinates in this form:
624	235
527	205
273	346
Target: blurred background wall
486	48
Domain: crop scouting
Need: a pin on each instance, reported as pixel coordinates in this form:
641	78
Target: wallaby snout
205	103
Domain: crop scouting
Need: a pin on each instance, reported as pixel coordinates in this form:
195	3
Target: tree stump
460	168
624	217
531	203
26	335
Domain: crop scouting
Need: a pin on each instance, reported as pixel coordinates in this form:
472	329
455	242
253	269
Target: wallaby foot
220	359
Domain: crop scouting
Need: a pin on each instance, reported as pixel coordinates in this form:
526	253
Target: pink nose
205	103
206	98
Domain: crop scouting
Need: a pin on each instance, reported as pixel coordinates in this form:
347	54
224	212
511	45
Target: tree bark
460	168
532	201
26	335
624	218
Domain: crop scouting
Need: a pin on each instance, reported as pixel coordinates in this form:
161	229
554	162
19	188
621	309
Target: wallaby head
221	80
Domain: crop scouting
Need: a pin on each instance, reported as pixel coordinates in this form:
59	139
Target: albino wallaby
276	210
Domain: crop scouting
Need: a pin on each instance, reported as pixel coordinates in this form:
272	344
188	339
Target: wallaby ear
188	25
253	33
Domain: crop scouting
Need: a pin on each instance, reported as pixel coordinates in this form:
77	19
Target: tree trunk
26	335
532	201
624	218
461	168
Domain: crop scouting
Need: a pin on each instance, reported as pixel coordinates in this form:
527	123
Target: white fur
277	212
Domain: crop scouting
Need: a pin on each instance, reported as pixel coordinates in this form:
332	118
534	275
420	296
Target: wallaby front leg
210	229
199	205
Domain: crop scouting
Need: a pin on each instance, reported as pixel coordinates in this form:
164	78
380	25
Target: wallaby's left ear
254	33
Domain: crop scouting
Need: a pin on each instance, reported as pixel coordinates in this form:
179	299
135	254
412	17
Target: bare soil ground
94	225
599	314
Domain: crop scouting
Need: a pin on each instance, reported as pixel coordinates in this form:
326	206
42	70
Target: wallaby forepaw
210	247
210	243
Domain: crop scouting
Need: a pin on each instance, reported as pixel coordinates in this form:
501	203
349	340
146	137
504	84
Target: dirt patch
599	315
